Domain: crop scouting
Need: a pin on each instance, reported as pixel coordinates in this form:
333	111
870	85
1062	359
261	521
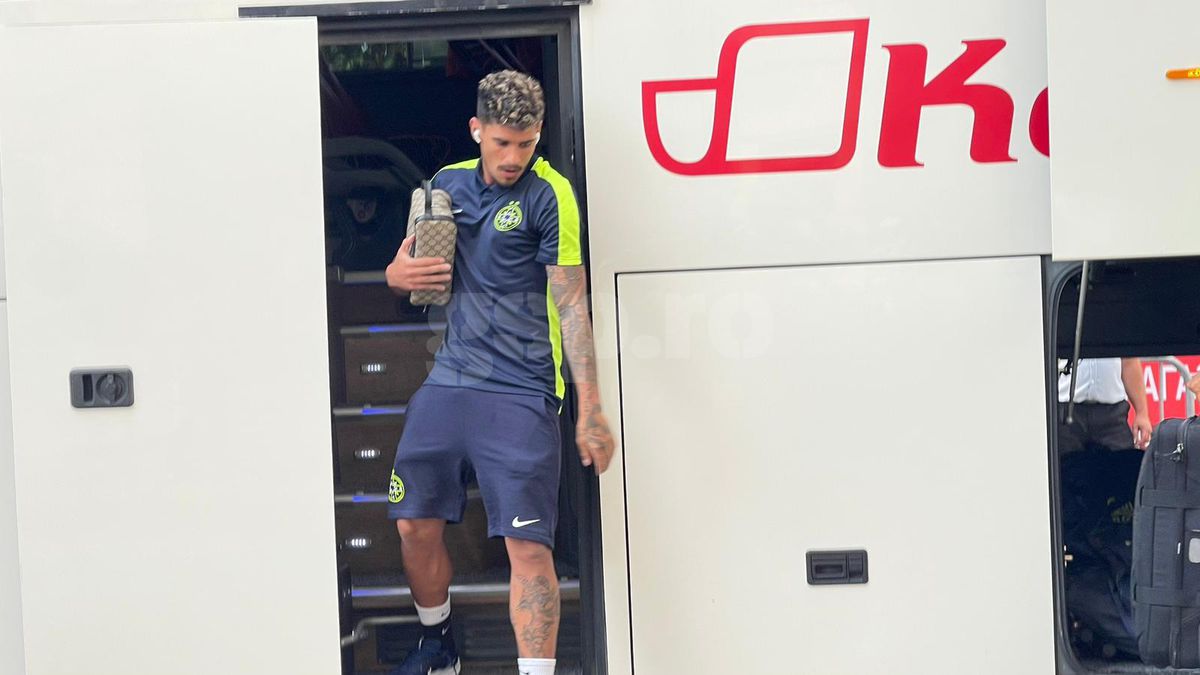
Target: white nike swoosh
517	522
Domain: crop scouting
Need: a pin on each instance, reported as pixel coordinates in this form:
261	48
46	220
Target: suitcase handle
1181	441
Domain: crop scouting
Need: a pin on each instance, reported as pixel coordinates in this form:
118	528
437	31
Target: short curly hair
510	98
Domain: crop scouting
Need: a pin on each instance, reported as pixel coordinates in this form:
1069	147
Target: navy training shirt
503	331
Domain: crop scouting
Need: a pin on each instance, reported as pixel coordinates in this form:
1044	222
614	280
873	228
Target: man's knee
421	531
528	553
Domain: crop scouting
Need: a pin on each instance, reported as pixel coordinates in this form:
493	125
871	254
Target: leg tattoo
539	597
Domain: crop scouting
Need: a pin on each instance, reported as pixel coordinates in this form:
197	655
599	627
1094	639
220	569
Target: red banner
1169	401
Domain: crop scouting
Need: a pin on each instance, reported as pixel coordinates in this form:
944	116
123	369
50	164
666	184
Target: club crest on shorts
396	489
509	217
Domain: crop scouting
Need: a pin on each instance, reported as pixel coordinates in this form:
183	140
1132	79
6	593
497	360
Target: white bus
831	284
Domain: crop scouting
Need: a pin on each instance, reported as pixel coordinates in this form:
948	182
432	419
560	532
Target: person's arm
1135	391
568	285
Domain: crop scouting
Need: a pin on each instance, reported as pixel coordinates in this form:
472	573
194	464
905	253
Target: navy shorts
511	442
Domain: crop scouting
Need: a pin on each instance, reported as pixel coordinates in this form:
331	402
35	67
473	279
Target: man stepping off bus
518	307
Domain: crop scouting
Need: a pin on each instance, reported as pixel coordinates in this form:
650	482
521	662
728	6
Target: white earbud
477	136
537	139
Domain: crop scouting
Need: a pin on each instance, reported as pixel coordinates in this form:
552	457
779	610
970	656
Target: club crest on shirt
509	217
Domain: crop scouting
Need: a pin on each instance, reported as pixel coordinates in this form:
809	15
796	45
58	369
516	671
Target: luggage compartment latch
102	388
836	567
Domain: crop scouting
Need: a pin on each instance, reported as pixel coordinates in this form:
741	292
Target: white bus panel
769	413
1125	144
162	204
12	644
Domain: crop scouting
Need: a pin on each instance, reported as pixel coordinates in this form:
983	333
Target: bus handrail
1184	372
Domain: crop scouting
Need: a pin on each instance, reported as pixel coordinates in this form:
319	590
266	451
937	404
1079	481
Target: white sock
432	616
535	666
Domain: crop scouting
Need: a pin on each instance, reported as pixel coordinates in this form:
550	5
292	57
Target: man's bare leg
427	567
533	603
426	560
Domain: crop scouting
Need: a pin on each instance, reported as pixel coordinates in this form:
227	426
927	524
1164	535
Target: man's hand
1194	385
1135	391
1142	429
407	274
594	439
568	284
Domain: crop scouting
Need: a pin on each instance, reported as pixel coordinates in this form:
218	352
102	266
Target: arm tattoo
540	599
569	287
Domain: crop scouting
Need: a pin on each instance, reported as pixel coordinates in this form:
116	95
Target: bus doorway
396	94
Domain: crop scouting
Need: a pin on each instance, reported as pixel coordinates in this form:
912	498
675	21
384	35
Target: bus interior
1136	309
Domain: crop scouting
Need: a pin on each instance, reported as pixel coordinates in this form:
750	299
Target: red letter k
907	94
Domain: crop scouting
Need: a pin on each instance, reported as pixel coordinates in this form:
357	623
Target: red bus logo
908	92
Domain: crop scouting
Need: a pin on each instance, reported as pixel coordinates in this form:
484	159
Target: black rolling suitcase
1166	547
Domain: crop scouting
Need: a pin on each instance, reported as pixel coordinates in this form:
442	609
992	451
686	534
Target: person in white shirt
1104	391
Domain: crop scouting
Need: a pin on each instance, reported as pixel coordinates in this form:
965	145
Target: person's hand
407	274
1194	385
1142	429
594	439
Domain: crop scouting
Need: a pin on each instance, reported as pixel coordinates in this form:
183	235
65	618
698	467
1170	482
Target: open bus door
1125	94
162	214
